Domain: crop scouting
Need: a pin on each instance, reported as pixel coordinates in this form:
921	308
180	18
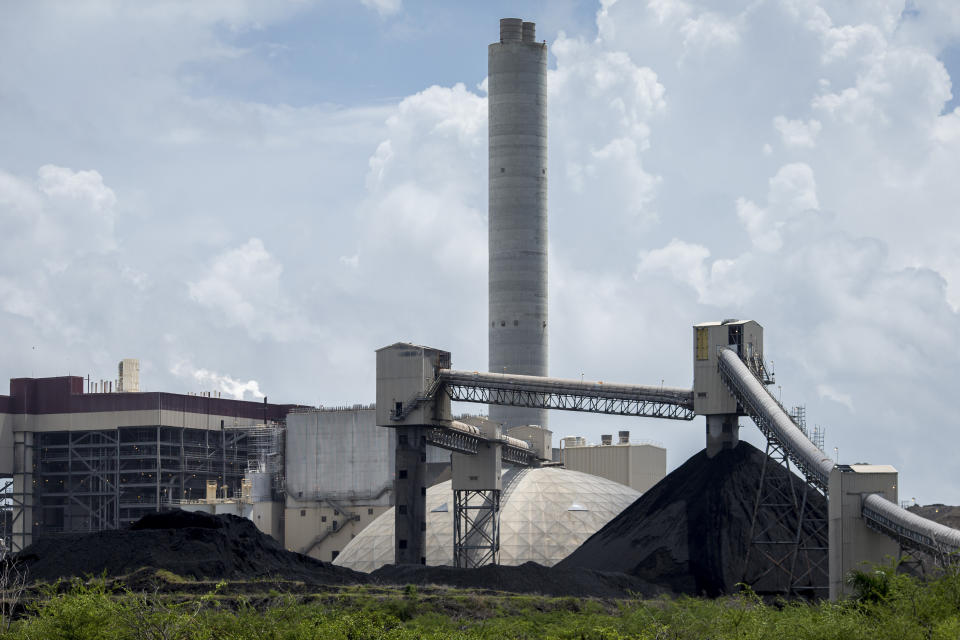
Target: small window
333	555
402	474
398	409
335	512
516	323
369	512
402	544
334	525
503	169
402	509
323	518
303	513
423	491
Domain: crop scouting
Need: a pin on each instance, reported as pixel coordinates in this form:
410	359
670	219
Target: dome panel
535	523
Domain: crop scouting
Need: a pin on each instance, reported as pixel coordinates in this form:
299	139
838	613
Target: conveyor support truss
568	395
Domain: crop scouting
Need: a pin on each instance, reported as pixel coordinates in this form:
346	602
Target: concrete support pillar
723	432
854	546
410	490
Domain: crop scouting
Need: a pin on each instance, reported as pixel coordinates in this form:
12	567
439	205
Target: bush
886	605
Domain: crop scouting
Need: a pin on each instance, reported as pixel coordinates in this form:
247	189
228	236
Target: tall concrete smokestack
517	90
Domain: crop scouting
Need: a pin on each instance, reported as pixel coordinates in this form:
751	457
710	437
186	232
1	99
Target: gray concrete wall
340	455
853	545
410	492
320	531
343	457
639	466
517	85
540	440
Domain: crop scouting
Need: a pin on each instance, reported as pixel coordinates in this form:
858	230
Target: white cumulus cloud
243	287
797	133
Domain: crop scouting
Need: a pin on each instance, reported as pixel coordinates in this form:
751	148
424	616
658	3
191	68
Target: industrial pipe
939	537
798	445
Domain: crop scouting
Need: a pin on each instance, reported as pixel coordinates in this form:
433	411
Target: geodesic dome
545	513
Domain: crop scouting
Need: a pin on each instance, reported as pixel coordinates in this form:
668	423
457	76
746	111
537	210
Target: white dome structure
545	513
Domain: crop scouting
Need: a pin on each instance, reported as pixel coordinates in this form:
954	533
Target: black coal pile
195	545
527	578
692	530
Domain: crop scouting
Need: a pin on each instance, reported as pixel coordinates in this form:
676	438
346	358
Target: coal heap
691	531
529	577
189	544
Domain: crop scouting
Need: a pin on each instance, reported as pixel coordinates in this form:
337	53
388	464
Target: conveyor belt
569	395
909	529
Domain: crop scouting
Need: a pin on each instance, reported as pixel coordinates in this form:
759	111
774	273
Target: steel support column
476	528
785	532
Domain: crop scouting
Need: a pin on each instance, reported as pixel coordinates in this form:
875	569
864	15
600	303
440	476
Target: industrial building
77	460
636	465
339	476
88	459
431	487
99	456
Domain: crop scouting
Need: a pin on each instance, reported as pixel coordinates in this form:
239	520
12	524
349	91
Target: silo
517	90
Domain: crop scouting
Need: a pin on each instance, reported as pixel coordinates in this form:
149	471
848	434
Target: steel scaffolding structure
476	528
108	478
791	536
265	452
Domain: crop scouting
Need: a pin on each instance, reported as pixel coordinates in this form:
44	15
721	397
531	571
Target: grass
886	605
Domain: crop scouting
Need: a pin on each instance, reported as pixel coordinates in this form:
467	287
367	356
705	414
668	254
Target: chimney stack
517	112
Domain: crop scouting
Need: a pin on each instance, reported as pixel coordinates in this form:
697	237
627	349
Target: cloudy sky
251	197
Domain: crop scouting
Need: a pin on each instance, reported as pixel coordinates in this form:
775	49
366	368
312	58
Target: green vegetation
886	605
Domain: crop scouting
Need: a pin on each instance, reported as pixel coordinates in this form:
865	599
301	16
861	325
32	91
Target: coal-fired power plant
407	482
517	103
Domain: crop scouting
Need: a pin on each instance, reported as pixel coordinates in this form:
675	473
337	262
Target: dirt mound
195	545
691	531
526	578
941	513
